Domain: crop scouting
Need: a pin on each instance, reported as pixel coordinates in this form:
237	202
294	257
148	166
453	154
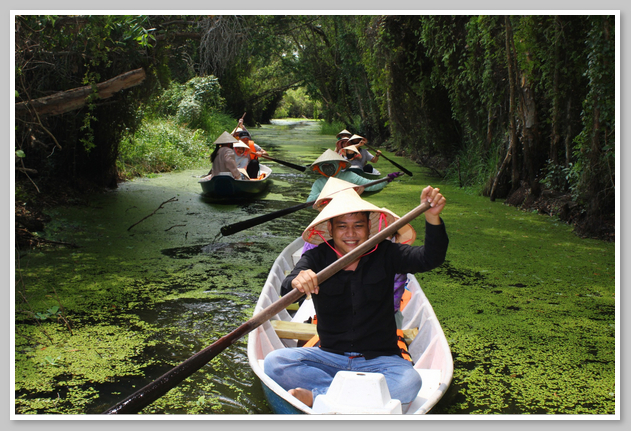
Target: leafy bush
207	91
471	168
561	178
189	101
161	146
189	112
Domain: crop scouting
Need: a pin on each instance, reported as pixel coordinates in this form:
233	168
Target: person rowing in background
255	151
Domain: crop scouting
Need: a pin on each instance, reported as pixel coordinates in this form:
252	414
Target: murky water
151	261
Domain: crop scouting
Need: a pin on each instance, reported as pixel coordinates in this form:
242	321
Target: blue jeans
313	368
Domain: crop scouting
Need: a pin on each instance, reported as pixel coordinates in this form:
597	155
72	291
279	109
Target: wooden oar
255	221
154	390
289	164
391	161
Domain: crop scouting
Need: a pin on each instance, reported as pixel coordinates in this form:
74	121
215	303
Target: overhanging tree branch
75	98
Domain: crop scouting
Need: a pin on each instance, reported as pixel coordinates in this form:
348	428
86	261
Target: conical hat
331	187
240	144
352	148
356	139
346	202
343	133
330	156
226	138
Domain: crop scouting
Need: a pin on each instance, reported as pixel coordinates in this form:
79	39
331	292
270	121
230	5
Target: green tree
58	53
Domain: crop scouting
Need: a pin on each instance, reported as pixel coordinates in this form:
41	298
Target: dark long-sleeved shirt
354	308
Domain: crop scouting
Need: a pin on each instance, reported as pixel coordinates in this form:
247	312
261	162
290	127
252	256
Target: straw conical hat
343	133
240	144
346	202
356	139
330	156
331	187
352	148
226	138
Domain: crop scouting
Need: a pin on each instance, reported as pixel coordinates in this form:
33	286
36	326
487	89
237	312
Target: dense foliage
511	106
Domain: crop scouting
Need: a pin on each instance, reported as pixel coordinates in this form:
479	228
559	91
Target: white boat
429	350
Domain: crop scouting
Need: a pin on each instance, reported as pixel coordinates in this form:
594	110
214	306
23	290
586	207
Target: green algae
528	308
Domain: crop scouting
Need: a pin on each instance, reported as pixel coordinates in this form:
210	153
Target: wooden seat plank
305	331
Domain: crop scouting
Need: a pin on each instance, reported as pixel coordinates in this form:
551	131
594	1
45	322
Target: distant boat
224	186
428	348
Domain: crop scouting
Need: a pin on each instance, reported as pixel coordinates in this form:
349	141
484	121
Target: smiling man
356	324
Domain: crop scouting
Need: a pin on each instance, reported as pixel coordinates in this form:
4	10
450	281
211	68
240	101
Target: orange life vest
405	298
403	345
253	155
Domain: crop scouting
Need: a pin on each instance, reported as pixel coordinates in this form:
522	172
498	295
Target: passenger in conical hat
356	325
242	154
345	201
363	162
331	164
223	157
344	134
333	186
350	153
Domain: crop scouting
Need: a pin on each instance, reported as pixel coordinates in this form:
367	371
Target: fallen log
75	98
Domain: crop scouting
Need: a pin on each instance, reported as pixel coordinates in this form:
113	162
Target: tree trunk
496	181
528	114
512	128
75	98
555	137
568	135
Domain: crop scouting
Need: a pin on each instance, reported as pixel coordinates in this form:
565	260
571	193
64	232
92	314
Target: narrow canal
528	308
142	295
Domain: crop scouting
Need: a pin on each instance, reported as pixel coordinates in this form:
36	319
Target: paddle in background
255	221
154	390
407	172
288	164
